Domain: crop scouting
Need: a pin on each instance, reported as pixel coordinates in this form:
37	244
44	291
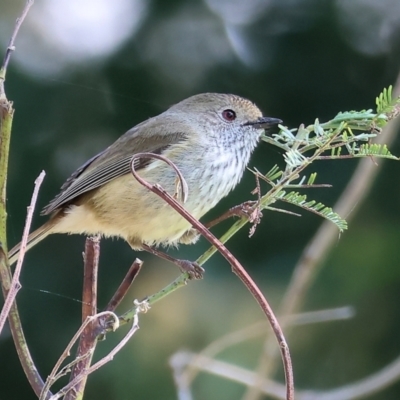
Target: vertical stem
88	339
15	284
6	118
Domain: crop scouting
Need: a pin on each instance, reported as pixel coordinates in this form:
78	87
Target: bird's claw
192	268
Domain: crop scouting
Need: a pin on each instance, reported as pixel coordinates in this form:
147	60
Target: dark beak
264	122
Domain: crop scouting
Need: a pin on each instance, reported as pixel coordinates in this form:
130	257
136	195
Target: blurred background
84	72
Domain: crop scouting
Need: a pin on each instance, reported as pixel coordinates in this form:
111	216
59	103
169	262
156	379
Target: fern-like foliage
368	149
347	135
375	150
300	200
274	173
387	106
384	102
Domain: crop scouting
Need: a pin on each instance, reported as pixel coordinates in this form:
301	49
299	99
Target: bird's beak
263	122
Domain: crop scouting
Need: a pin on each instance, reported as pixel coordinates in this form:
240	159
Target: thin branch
88	338
182	191
6	119
236	268
11	45
55	374
245	210
15	284
125	285
92	326
140	307
178	283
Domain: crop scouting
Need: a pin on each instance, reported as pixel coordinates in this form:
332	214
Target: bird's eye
229	115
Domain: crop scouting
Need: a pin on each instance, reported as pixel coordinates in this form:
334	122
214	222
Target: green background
297	60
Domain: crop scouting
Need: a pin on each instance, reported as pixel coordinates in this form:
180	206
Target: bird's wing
115	161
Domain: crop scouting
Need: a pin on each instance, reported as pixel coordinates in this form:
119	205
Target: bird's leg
248	209
191	267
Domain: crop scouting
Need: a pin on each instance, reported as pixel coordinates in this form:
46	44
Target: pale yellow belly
137	215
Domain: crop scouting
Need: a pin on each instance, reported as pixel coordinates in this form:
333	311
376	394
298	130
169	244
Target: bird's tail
34	238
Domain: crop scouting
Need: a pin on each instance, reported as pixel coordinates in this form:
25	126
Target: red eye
229	115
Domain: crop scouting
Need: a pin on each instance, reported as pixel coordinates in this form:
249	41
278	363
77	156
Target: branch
93	326
6	118
140	307
11	46
57	372
88	338
15	284
125	285
178	283
236	267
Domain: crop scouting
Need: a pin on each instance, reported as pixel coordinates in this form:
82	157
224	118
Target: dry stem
236	268
88	338
15	284
125	285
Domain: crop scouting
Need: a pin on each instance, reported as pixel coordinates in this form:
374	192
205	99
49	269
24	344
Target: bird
209	137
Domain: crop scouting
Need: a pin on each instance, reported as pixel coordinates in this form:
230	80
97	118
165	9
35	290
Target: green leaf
375	150
312	178
300	200
274	173
384	102
294	158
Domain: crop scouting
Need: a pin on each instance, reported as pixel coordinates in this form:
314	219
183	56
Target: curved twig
58	372
236	267
109	356
183	186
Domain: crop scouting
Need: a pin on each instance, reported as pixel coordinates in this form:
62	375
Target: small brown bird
209	137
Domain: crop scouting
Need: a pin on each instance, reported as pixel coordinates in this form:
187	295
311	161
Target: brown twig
57	372
236	267
255	218
6	118
11	45
93	324
245	210
125	285
88	338
184	190
141	307
15	284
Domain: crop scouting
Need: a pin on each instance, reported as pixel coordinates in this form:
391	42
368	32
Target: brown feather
115	161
